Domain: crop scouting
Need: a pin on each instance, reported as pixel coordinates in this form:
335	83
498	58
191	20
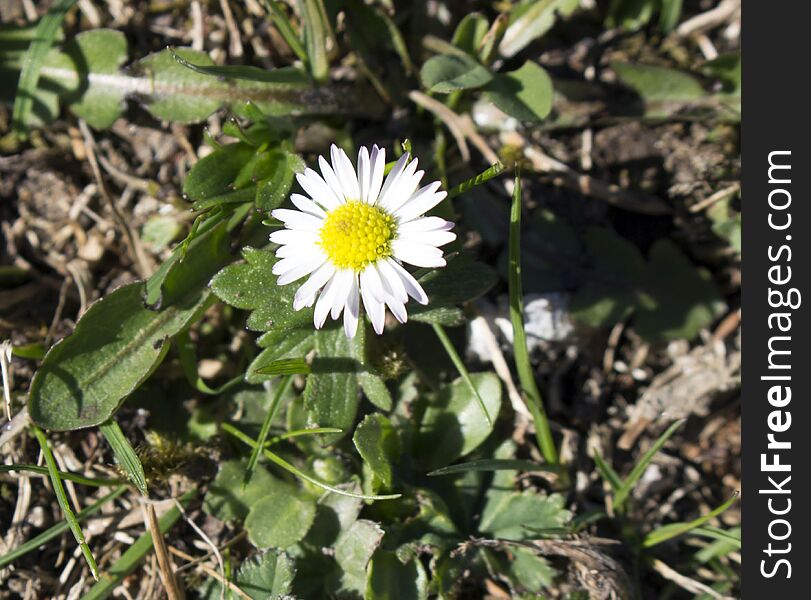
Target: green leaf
228	499
519	515
524	569
46	32
281	518
317	33
216	173
267	575
275	177
525	93
101	52
684	299
657	84
727	69
529	20
470	32
447	73
390	579
628	484
667	532
378	445
491	464
353	551
252	285
125	454
118	342
331	394
453	425
280	346
461	281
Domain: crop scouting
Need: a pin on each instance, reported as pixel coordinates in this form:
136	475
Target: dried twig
684	582
210	572
167	575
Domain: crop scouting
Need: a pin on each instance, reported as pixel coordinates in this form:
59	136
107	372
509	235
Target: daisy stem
460	366
522	362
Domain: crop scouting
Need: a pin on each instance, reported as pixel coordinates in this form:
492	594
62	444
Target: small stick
164	562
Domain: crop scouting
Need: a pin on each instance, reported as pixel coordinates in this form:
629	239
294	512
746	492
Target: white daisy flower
351	234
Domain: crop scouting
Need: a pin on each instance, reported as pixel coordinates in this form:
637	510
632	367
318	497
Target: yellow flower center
357	234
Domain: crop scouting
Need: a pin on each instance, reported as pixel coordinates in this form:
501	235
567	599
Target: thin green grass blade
285	366
492	464
67	476
522	363
718	534
58	529
46	32
667	532
460	366
316	33
62	498
130	560
125	454
275	403
278	460
301	432
628	484
483	177
286	30
608	473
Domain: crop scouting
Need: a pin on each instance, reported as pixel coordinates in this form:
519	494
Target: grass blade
491	464
666	532
286	30
74	477
483	177
130	560
46	32
58	529
522	362
316	33
285	366
62	498
625	489
301	432
125	454
608	473
278	460
275	403
460	366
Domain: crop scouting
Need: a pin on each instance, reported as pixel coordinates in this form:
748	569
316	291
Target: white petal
324	303
331	178
295	219
412	286
304	204
374	307
420	203
289	236
352	309
378	160
364	173
402	189
419	255
395	299
392	177
300	269
346	173
425	224
370	279
305	295
431	238
343	279
297	249
392	281
317	188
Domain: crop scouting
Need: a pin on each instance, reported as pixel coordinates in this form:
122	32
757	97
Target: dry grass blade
173	591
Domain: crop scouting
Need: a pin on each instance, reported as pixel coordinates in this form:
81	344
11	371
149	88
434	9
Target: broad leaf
267	575
251	285
353	551
450	72
118	342
525	93
530	19
390	579
658	83
227	498
522	515
281	518
453	424
378	445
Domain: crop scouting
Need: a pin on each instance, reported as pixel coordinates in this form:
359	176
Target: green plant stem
62	498
278	460
58	529
522	363
74	477
460	366
275	403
